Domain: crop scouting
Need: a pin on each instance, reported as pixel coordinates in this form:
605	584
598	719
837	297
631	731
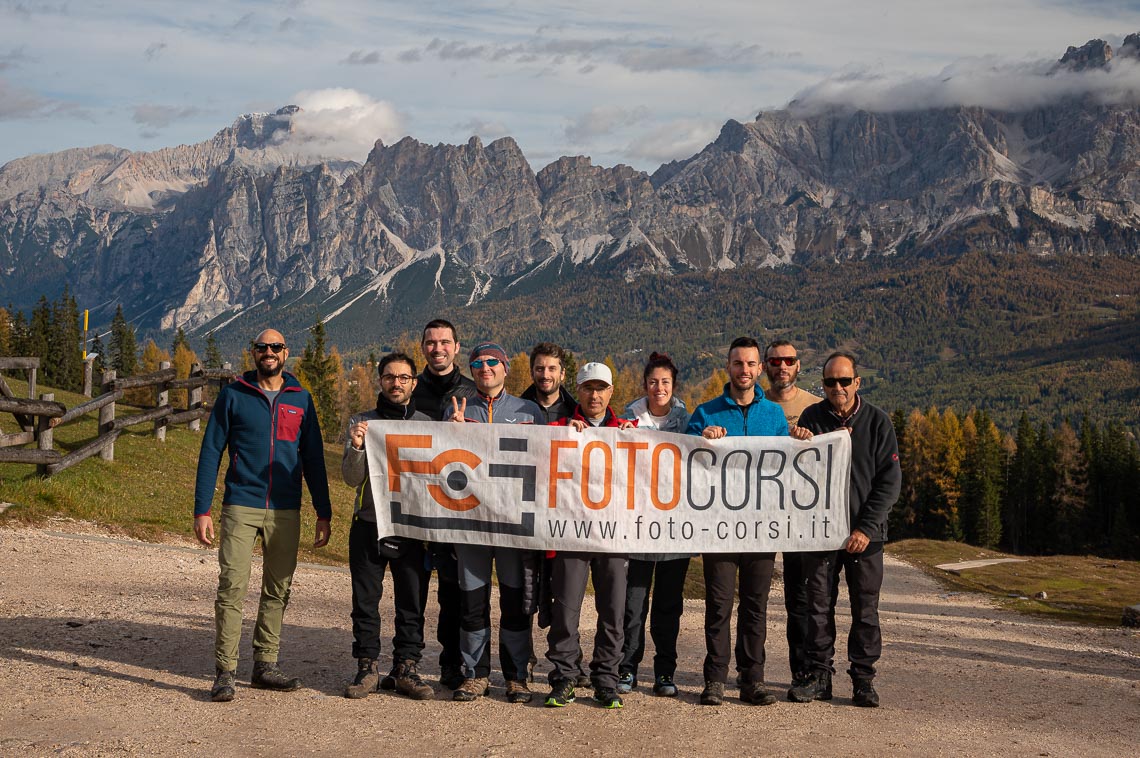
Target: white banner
608	490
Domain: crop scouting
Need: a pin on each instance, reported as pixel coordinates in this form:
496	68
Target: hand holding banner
608	490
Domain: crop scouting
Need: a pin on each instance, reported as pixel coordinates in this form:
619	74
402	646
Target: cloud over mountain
342	122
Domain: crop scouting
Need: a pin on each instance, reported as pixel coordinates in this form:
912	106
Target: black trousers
570	571
864	575
449	597
796	604
721	569
666	580
410	587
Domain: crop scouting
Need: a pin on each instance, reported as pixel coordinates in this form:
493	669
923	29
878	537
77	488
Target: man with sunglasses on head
782	367
368	558
517	570
269	424
875	483
437	384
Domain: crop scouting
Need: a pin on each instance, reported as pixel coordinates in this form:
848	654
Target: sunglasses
787	361
841	381
261	347
492	362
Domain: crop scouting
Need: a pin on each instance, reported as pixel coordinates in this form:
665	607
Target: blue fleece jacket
270	445
762	418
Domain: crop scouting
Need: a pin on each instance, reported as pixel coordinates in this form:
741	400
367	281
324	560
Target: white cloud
677	139
603	120
979	82
342	123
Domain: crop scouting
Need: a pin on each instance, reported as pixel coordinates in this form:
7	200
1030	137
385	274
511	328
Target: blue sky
623	81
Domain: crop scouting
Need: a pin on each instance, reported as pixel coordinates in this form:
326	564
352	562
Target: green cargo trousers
280	533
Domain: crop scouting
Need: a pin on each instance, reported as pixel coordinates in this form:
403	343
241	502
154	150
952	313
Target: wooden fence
38	418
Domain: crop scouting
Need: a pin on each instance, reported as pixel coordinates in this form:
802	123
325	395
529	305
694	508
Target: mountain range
239	229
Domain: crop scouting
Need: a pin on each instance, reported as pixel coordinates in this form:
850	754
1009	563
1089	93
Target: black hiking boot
224	685
266	676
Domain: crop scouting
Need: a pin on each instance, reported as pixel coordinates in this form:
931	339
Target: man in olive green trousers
269	424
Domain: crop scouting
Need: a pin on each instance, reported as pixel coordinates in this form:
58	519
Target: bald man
269	424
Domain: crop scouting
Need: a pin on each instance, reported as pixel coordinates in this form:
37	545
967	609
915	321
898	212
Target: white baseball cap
595	372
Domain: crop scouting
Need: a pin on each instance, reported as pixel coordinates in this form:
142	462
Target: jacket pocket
289	422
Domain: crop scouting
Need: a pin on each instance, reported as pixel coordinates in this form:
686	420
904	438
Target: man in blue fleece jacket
269	424
740	411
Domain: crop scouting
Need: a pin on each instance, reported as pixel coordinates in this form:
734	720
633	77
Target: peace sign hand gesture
458	409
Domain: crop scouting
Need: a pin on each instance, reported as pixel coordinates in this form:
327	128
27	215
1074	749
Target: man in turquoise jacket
269	424
740	411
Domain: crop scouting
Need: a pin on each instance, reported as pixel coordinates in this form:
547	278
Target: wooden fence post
162	397
194	398
44	434
107	416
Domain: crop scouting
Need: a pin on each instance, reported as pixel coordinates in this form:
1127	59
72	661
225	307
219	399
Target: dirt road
106	647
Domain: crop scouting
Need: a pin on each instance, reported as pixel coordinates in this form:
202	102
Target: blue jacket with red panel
270	443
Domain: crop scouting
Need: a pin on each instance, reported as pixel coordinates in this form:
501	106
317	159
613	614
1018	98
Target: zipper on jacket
272	442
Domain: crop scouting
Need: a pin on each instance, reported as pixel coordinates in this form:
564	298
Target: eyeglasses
492	362
396	378
261	347
842	381
786	360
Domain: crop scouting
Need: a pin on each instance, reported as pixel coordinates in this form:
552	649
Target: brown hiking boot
518	692
472	689
713	693
409	683
367	679
754	693
266	676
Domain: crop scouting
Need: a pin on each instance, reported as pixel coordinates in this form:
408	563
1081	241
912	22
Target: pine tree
124	352
317	374
180	340
64	344
100	354
213	354
5	333
902	516
982	474
1068	498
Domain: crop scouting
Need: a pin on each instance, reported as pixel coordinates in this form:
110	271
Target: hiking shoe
266	676
627	682
389	680
607	697
472	689
817	687
663	686
713	693
367	679
865	695
561	694
518	692
450	677
409	683
583	681
224	685
754	693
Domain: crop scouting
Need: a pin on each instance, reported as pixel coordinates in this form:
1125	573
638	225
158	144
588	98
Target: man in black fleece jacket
435	386
875	483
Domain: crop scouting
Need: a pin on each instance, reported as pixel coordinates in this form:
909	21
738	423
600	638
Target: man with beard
436	385
368	558
269	424
876	479
782	366
740	411
548	372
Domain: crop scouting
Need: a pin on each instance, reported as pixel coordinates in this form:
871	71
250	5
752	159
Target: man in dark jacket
269	424
436	385
548	372
875	483
571	570
368	557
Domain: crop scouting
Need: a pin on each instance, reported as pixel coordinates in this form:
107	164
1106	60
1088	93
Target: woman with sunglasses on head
665	572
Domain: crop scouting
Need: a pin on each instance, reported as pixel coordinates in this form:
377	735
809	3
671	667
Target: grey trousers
569	574
475	562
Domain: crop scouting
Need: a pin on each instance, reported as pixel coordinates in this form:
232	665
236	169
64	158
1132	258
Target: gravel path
106	647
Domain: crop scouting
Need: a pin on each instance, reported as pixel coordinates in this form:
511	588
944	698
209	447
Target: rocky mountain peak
1096	53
